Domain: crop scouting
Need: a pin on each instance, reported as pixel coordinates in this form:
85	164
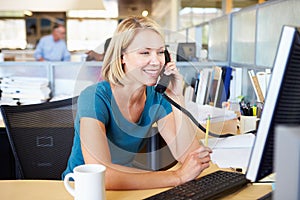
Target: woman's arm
180	133
95	150
185	148
177	129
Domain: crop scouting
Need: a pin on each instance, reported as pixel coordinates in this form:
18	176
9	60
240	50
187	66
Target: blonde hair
112	69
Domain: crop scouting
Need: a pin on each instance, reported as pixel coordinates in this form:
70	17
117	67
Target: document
231	152
200	112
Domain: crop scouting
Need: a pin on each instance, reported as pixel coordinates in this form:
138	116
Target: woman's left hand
175	87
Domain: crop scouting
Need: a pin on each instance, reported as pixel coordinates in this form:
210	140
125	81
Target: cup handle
70	189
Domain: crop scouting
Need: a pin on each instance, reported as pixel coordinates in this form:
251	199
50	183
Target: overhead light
145	13
28	13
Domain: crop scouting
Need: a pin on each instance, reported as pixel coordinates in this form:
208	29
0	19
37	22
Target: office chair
41	137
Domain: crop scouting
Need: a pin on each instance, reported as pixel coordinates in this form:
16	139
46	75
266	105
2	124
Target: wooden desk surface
54	190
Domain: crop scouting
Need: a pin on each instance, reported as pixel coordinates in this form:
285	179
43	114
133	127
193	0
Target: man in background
53	47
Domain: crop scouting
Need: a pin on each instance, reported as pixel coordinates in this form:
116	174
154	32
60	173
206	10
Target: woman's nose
155	59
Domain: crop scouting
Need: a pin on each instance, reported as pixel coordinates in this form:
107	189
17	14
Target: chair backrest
41	137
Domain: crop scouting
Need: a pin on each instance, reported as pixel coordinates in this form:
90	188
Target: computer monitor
186	52
287	162
282	103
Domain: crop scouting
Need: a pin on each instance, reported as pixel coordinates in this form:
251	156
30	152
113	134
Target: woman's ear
123	63
123	60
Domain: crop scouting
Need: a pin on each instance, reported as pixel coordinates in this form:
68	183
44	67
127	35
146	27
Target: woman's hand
175	87
194	164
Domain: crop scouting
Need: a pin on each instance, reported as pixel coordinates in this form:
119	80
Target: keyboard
211	186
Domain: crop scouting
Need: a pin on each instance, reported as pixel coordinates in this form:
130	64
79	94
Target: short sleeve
92	105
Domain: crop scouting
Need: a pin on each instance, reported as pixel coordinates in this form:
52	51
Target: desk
54	190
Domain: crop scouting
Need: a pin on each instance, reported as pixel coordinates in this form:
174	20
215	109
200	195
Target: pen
207	130
254	109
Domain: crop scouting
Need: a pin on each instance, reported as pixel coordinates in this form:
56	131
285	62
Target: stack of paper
24	89
200	112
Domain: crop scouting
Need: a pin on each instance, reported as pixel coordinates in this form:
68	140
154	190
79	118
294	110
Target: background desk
54	190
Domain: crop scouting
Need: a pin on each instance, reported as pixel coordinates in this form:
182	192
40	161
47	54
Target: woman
116	114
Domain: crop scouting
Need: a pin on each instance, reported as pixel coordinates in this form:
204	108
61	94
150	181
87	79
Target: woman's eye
144	53
161	52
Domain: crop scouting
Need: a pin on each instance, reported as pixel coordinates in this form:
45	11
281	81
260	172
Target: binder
224	87
209	87
188	94
236	83
256	86
263	80
216	85
203	85
194	84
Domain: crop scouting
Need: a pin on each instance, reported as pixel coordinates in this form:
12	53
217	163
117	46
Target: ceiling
216	3
135	7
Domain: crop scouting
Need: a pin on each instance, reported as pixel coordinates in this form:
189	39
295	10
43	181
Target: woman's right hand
194	164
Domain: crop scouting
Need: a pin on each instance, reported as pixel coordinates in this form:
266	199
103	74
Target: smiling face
144	58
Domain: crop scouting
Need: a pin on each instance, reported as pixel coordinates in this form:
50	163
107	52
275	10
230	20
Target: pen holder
248	123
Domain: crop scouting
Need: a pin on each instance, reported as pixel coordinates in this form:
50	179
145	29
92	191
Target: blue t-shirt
125	138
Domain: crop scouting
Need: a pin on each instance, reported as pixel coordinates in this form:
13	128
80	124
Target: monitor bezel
277	77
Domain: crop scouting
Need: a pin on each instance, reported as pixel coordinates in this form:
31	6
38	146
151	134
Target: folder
256	86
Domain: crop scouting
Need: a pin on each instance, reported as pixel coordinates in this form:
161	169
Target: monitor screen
186	52
282	103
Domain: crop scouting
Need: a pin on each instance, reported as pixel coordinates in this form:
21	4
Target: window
13	34
89	34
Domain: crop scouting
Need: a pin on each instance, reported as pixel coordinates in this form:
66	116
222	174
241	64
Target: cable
186	112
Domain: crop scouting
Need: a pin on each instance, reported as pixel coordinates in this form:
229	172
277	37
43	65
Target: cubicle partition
247	39
243	37
219	39
71	78
270	19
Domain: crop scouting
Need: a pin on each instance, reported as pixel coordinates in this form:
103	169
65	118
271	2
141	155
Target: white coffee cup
89	182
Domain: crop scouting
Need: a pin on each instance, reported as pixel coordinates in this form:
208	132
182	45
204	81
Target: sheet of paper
233	142
235	158
232	151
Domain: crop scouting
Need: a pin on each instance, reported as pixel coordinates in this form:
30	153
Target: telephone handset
164	79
